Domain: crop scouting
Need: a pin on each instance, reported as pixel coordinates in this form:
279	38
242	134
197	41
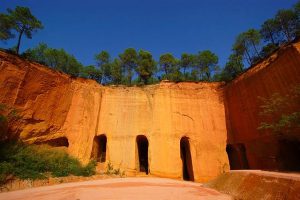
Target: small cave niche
289	155
142	148
237	156
57	142
186	158
99	148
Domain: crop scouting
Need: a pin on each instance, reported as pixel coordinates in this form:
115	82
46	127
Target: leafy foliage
287	23
5	27
8	115
139	67
281	113
34	162
128	63
254	45
57	59
246	45
103	63
92	72
270	31
206	61
187	62
233	67
146	66
111	170
169	66
21	21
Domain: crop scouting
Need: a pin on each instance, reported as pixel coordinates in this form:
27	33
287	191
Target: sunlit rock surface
64	111
55	106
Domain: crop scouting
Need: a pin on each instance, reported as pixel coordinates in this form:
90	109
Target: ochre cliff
259	149
54	106
183	127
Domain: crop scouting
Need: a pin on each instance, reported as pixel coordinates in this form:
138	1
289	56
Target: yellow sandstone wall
165	113
54	105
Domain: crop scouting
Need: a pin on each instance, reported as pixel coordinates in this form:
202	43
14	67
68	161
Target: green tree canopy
240	47
207	61
288	23
92	72
246	45
129	63
20	20
270	31
116	71
253	37
233	67
5	27
186	62
103	63
146	66
57	59
168	64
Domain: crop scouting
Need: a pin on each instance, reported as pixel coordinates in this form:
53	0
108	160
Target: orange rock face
72	112
258	149
177	130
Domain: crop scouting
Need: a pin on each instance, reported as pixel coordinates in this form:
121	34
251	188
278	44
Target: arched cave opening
186	158
99	148
142	147
289	155
237	156
57	142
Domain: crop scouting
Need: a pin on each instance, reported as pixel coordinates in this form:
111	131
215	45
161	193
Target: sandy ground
121	188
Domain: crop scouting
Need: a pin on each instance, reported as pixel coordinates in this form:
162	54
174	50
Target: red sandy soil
121	188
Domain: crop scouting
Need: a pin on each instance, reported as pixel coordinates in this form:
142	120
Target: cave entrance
142	146
237	156
57	142
99	148
289	155
186	158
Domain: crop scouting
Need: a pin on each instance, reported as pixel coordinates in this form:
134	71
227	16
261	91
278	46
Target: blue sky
84	28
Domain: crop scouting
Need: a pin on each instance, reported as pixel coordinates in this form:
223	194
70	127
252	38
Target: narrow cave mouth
237	156
186	158
57	142
289	155
142	145
99	148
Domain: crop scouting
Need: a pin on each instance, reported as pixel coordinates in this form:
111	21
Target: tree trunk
272	38
145	80
285	31
248	56
271	35
19	41
208	76
129	79
254	46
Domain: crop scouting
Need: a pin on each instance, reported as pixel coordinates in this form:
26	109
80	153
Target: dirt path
121	188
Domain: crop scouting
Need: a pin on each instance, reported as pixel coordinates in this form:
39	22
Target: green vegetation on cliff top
138	67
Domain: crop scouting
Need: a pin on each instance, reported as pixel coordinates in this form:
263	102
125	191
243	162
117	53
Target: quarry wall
184	127
261	149
55	106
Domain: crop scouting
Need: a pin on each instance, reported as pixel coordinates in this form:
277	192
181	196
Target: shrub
111	170
34	162
7	116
